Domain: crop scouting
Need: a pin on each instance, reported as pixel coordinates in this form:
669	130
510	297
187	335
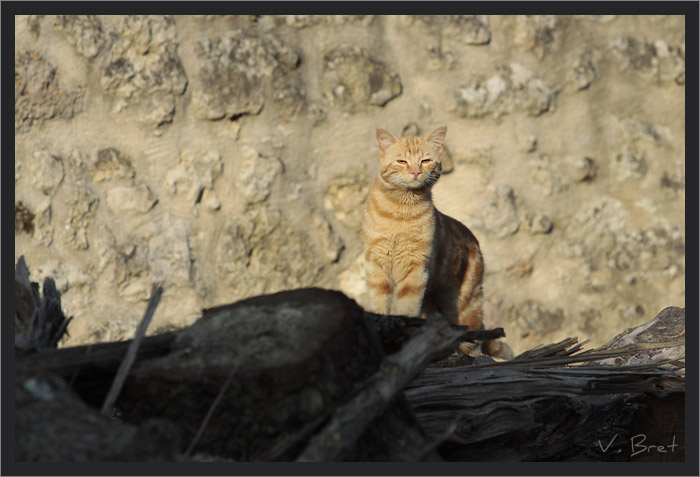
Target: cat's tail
497	349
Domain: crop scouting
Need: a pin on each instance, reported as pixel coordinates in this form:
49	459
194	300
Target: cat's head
411	162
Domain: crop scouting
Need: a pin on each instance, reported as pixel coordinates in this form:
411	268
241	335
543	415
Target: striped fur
419	260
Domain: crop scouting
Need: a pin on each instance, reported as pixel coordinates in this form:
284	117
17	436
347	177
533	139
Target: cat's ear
385	139
437	137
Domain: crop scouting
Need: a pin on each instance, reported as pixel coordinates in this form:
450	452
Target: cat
418	260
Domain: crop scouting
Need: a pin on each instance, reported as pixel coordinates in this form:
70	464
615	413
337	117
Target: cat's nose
415	174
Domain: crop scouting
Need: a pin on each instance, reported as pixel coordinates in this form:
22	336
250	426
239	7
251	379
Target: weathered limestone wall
230	156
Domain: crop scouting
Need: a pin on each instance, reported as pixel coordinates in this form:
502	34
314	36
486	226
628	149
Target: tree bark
248	381
435	339
539	406
303	375
52	424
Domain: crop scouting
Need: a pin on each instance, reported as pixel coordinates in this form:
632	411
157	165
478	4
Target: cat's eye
425	161
401	161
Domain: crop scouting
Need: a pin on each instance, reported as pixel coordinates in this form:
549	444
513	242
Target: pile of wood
308	375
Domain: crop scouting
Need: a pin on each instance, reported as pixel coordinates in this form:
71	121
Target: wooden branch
661	339
210	413
298	353
311	383
395	330
39	322
131	352
562	348
434	339
52	424
27	297
541	406
90	369
527	414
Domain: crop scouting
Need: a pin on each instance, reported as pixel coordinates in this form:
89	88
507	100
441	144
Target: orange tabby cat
419	260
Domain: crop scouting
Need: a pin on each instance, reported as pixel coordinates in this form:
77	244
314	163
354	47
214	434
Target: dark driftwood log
91	369
52	424
661	339
293	357
539	407
435	339
269	377
660	419
39	321
283	361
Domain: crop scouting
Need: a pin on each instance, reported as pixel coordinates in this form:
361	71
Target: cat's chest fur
398	234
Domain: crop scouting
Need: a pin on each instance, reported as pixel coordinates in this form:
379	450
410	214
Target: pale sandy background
230	156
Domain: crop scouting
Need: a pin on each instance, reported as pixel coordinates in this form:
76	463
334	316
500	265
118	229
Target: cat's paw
497	349
470	349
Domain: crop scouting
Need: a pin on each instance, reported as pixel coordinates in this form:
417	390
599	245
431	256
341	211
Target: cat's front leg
380	288
410	289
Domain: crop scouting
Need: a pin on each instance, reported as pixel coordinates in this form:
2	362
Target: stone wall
230	156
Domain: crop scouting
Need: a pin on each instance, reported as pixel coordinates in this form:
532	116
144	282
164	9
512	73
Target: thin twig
130	355
558	360
435	339
210	412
